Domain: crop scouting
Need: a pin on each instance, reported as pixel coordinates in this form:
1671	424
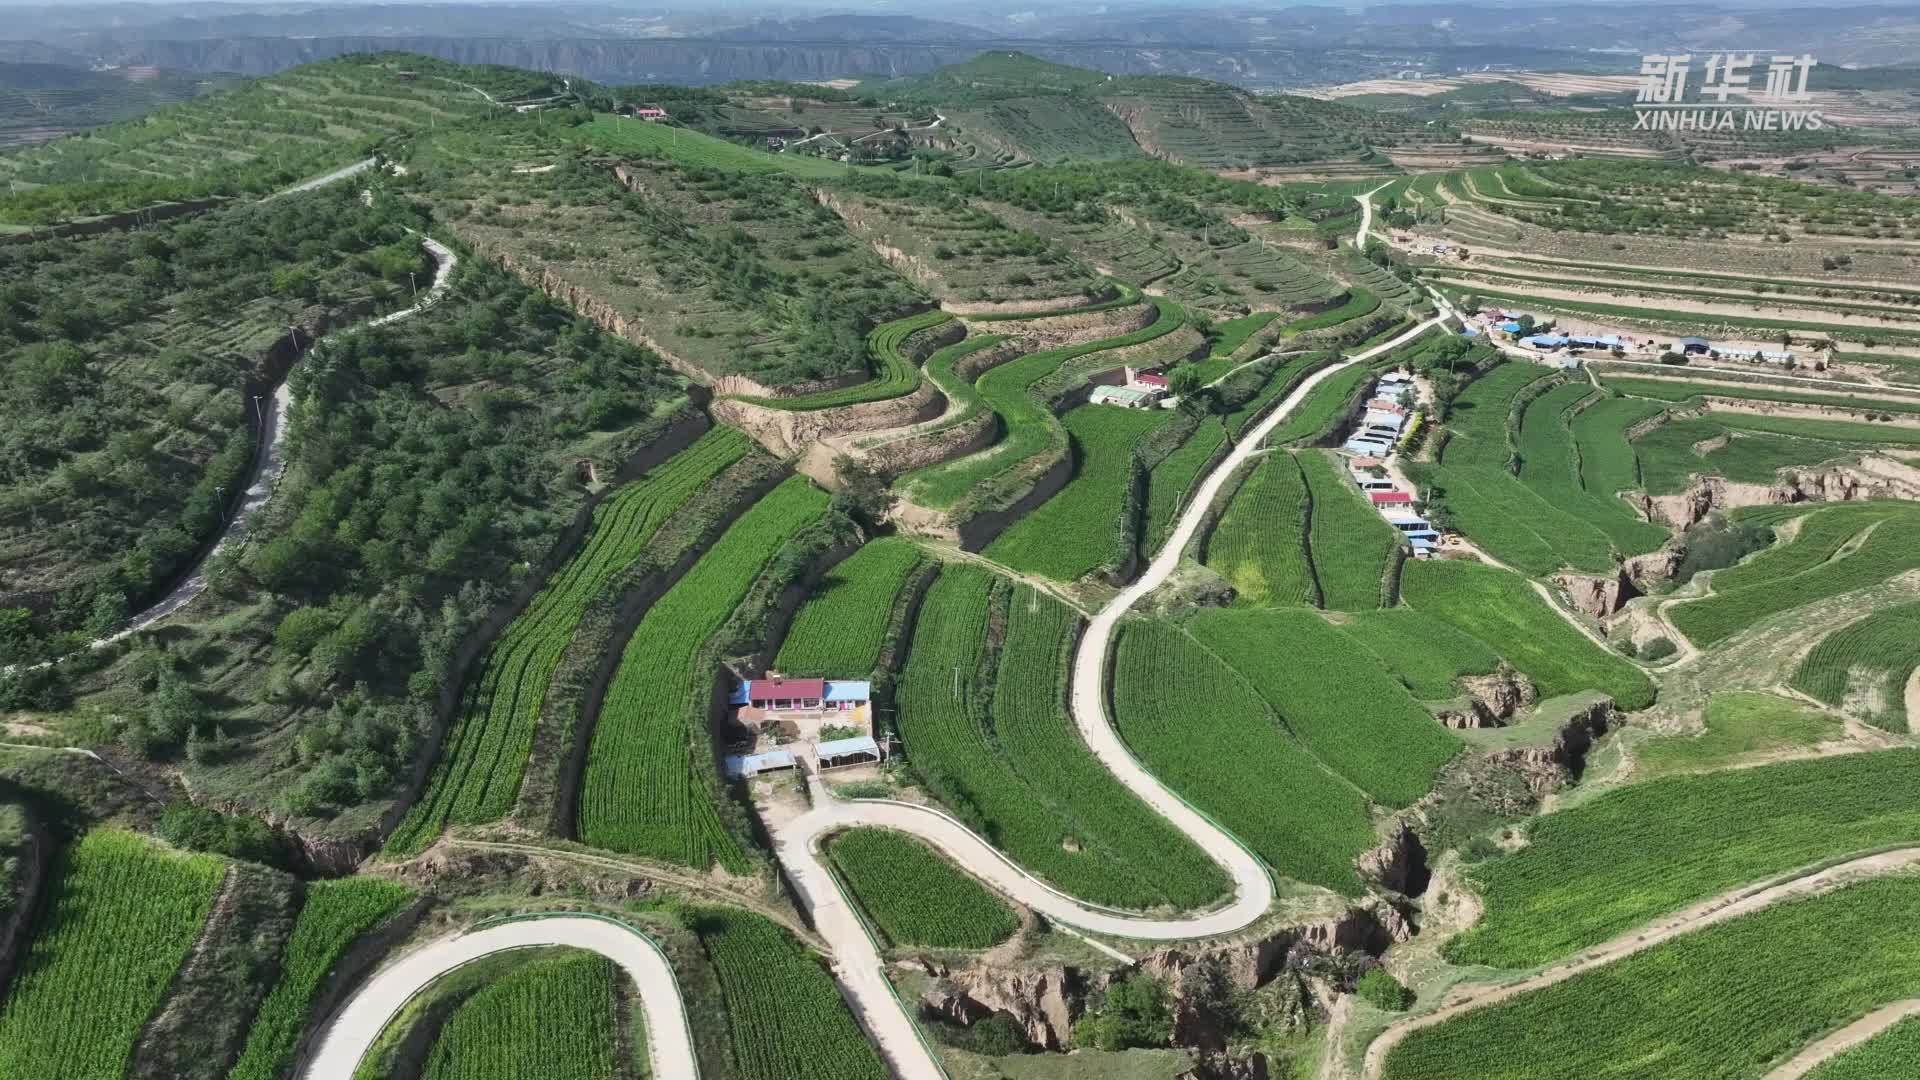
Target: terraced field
1724	1002
1343	705
649	788
1500	610
1227	757
486	750
1865	666
842	627
1613	863
1836	551
1075	532
1503	513
251	139
121	916
1260	544
986	731
1031	432
915	897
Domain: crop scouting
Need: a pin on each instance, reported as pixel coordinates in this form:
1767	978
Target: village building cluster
788	725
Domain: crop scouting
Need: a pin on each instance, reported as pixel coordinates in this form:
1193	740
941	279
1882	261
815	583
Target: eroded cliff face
1873	477
1045	1000
787	432
1598	595
1546	769
1491	700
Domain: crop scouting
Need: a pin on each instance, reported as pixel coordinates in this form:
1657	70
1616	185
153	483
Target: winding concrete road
270	463
351	1031
1366	215
857	963
341	173
1745	900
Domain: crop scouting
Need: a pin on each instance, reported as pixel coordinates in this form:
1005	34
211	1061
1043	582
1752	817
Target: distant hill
44	101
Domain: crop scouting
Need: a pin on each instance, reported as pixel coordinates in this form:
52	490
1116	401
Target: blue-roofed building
1544	341
1510	326
842	695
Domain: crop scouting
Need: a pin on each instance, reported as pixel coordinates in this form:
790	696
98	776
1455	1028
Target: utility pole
258	416
414	284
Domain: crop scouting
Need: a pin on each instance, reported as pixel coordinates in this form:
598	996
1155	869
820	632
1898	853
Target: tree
1670	357
1133	1012
1183	382
863	495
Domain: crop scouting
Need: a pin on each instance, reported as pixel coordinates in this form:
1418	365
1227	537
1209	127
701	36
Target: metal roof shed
836	753
748	766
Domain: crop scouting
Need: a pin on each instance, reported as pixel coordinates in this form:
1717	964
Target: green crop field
1866	665
1608	464
1768	586
1492	506
1501	610
1280	382
120	917
333	914
994	742
1351	543
915	897
1029	427
1669	456
622	135
784	1016
1595	871
892	374
1799	427
1823	532
1426	654
1201	727
1551	465
553	1017
478	774
1233	333
1073	533
1677	390
1725	1002
841	628
1736	724
646	791
1260	544
1893	1052
1348	709
1313	419
1359	304
1173	479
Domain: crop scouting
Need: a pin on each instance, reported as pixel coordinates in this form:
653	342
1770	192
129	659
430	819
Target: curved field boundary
1839	1042
857	963
1744	900
352	1031
893	374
